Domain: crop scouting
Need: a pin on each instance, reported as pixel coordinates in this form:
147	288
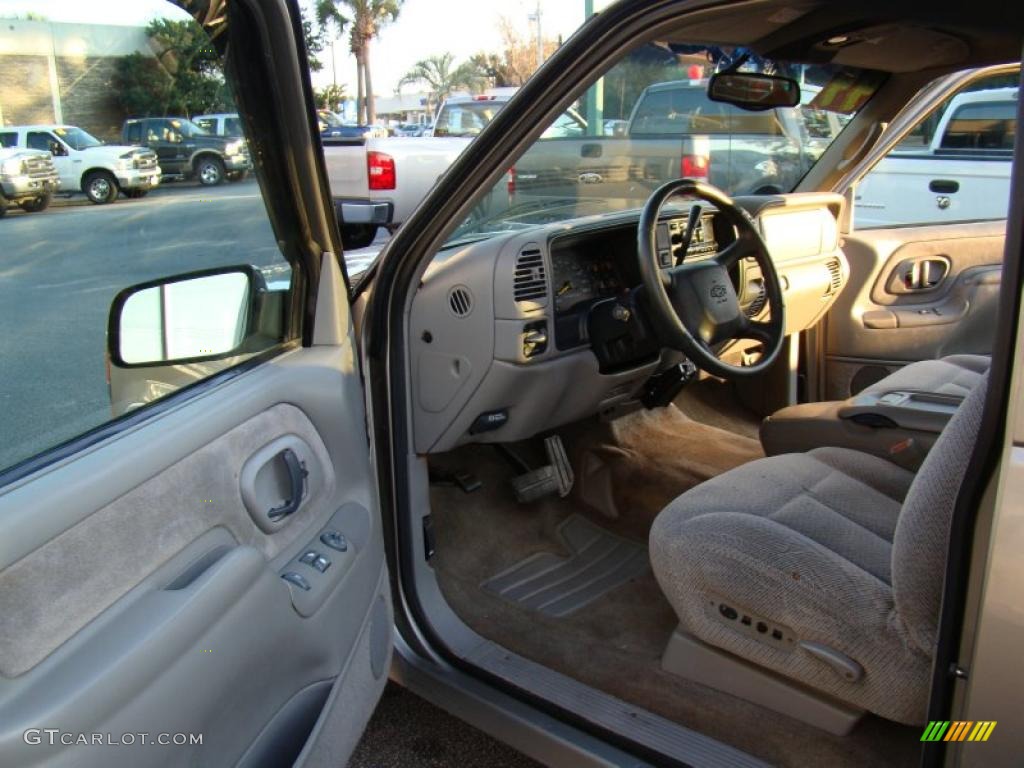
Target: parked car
410	130
943	180
187	151
220	124
86	164
28	178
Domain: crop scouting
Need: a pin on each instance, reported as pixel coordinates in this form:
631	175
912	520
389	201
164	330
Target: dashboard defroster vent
836	276
531	280
460	301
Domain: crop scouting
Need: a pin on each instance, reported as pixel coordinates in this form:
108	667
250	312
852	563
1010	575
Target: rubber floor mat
556	585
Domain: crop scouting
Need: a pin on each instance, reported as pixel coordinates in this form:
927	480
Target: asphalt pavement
61	269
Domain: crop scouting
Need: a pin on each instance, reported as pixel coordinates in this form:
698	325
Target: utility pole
535	16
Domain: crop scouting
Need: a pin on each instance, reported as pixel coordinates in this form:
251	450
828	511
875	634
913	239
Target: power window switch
309	557
321	563
334	540
297	579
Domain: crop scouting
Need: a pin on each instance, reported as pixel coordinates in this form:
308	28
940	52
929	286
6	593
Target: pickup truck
187	151
674	130
86	164
944	181
28	178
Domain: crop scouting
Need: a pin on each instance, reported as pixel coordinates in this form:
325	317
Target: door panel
138	594
914	293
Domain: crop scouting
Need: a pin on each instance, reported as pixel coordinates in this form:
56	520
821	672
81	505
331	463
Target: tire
357	235
136	193
100	187
237	175
210	171
36	205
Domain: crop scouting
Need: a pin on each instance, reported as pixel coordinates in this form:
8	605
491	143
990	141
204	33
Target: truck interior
687	462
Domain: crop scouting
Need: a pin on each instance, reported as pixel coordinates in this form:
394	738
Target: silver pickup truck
28	179
674	130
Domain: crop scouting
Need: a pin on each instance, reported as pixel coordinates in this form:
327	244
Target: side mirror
754	91
57	149
189	318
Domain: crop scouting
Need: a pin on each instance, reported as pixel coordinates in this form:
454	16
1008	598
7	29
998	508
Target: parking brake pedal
554	477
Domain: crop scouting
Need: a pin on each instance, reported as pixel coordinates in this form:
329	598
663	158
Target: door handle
944	186
297	474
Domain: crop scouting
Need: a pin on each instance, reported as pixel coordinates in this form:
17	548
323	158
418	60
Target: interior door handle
297	474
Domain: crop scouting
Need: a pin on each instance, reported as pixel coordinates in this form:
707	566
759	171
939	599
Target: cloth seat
839	548
953	375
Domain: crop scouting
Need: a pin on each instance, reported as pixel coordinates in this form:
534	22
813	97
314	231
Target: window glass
208	124
38	140
8	139
232	126
954	166
649	120
80	345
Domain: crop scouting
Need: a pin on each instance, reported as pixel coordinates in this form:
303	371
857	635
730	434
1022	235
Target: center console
898	425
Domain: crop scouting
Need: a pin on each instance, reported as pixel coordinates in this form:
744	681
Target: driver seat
811	583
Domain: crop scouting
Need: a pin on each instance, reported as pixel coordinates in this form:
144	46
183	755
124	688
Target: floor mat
558	586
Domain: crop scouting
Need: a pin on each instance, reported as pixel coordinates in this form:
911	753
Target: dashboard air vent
460	301
835	276
531	282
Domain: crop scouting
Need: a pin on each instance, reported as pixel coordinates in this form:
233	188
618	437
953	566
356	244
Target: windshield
329	118
76	138
466	118
649	120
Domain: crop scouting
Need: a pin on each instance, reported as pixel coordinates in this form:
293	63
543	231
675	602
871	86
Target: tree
441	78
314	35
517	60
363	18
184	78
330	97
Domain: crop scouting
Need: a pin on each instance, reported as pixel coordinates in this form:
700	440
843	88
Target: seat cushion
804	541
954	375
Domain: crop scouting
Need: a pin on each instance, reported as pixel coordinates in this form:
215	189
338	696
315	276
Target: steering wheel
693	305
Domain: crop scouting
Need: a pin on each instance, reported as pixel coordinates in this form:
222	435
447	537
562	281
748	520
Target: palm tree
441	78
364	18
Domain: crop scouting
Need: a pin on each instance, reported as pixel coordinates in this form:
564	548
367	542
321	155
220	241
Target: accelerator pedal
555	477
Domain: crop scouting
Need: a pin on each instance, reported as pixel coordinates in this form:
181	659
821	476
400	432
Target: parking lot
60	270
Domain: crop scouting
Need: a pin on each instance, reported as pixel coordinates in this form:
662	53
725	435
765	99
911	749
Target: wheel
210	171
36	204
100	187
136	193
237	175
693	305
357	235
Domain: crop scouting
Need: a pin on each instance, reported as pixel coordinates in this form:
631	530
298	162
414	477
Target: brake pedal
554	477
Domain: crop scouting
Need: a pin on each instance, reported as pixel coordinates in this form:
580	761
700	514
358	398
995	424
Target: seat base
694	660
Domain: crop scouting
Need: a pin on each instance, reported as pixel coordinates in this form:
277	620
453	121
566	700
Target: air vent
460	301
835	271
531	282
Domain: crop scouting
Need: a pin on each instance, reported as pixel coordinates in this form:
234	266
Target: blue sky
424	28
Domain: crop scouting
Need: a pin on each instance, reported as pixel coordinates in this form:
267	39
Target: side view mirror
188	318
57	149
754	91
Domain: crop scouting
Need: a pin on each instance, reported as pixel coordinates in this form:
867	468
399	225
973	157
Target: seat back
921	541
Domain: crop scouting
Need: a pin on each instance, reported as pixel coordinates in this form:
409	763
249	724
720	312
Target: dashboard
528	330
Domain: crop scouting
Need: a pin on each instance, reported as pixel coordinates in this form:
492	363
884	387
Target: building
63	73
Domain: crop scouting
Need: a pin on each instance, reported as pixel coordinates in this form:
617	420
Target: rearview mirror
188	318
754	91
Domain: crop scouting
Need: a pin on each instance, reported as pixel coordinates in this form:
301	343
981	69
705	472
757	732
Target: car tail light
694	166
511	180
380	168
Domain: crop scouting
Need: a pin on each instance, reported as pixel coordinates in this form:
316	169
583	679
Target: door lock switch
298	580
334	540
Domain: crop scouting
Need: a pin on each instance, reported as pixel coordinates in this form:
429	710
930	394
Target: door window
953	166
96	320
8	139
44	142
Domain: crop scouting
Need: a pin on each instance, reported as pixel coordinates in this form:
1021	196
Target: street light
535	16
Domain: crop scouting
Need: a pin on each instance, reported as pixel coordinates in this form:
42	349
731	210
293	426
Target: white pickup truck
963	174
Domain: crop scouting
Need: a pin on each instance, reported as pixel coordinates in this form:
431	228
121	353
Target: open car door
192	572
